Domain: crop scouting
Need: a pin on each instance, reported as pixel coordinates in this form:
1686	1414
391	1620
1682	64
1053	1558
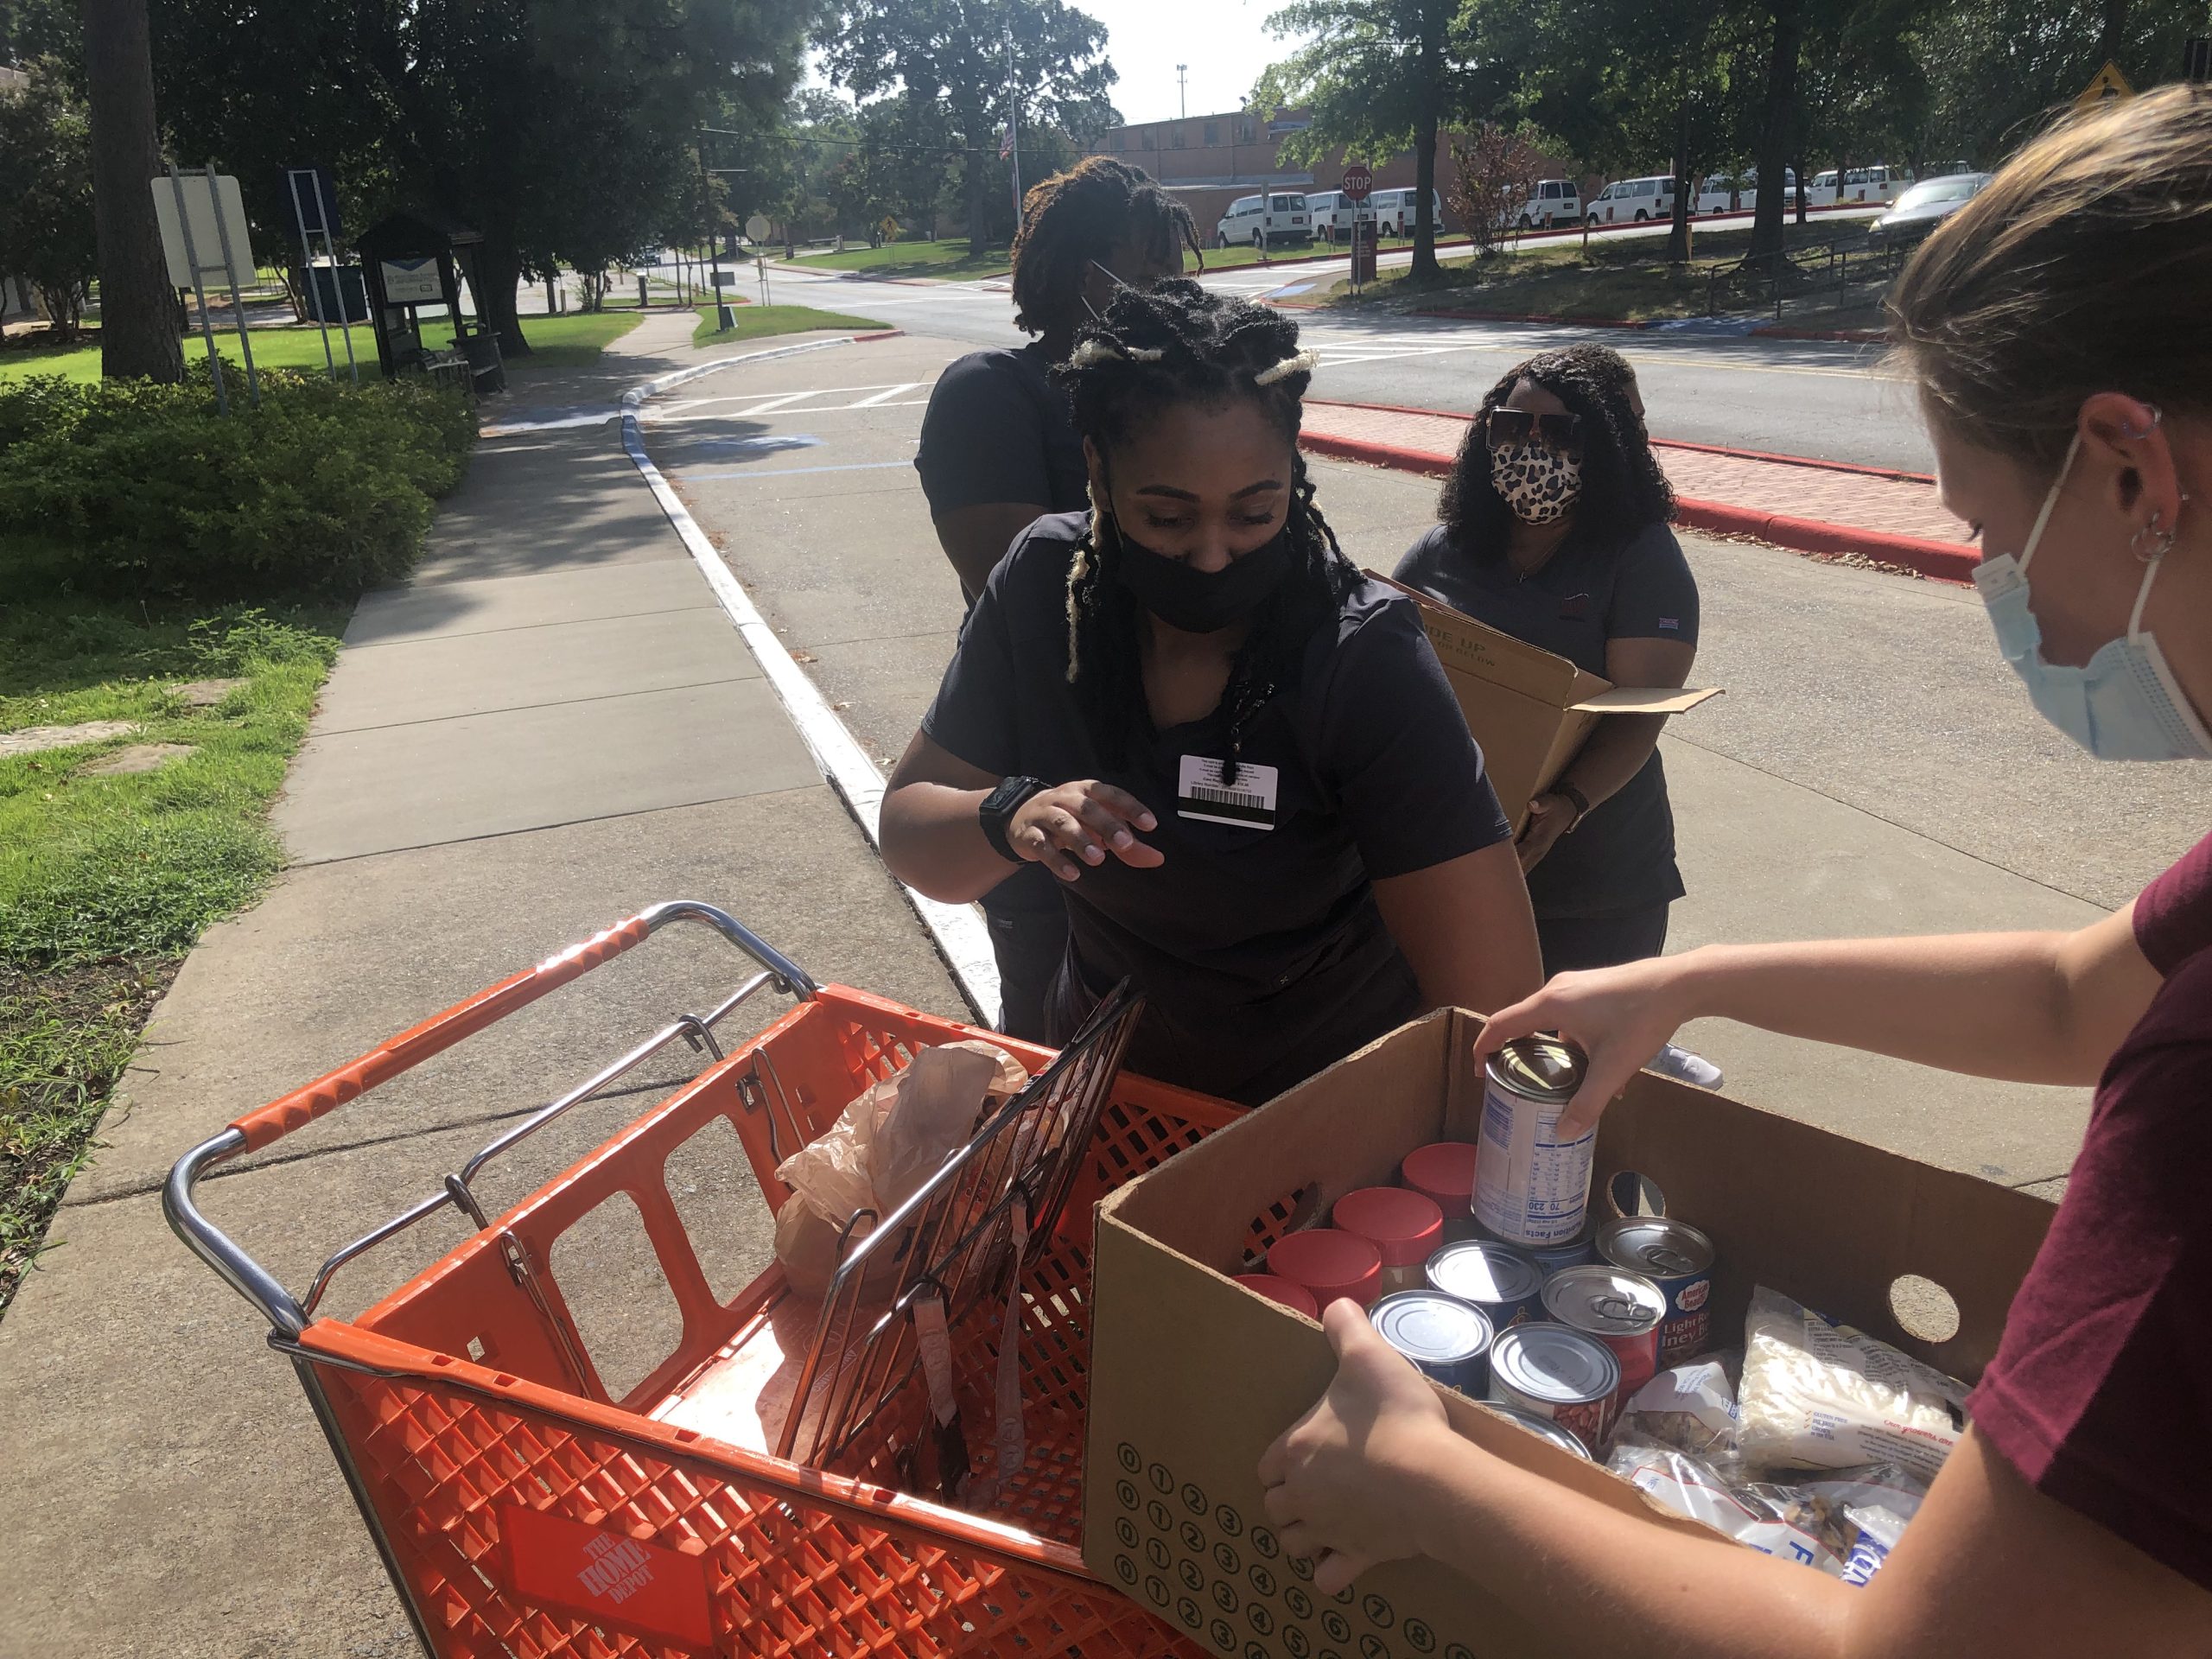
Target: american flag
1006	140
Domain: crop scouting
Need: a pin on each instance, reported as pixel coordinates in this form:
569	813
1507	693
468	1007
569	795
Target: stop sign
1358	182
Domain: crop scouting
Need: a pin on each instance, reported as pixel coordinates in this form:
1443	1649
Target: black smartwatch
1577	799
999	806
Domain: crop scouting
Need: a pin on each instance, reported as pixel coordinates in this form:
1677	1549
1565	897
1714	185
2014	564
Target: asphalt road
1873	766
1808	397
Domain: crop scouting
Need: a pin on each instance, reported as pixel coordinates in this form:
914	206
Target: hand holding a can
1339	1480
1619	1017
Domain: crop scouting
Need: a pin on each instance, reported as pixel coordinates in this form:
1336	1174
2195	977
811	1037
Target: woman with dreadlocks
1554	530
998	450
1239	757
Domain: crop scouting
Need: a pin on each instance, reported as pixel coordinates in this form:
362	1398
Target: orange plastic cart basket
520	1511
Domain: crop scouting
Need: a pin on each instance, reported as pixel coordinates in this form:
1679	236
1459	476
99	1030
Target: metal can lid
1605	1301
1657	1245
1430	1329
1555	1364
1281	1290
1481	1272
1565	1439
1327	1263
1445	1170
1539	1068
1405	1226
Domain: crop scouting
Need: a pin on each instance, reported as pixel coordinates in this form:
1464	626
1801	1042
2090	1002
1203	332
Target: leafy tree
1495	173
983	62
47	235
138	331
1378	77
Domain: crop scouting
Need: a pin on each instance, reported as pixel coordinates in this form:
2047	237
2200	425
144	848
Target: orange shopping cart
777	1484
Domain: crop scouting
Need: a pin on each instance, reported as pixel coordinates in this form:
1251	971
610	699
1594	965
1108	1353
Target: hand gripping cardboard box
1528	710
1193	1376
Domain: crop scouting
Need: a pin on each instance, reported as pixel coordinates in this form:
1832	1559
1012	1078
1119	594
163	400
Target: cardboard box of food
1193	1376
1528	710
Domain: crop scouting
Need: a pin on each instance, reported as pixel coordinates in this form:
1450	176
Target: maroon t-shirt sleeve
2173	916
2100	1394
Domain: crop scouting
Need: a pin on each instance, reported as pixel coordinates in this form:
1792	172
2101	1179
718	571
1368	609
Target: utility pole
1014	129
1183	90
723	320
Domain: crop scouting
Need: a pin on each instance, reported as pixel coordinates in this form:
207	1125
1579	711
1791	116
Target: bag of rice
1817	1396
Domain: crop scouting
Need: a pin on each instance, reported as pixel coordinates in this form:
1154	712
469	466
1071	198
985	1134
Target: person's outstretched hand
1618	1016
1339	1478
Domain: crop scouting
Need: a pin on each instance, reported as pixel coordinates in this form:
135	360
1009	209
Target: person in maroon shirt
2059	327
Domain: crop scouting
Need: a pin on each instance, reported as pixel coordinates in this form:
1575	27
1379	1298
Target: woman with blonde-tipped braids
1238	755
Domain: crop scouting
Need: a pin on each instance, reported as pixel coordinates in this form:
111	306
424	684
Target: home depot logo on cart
609	1579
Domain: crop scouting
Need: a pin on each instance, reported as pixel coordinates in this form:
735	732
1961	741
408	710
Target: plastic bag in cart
880	1150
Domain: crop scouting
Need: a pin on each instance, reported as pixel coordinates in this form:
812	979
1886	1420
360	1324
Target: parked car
1924	207
1553	201
1877	183
1329	215
1396	210
1626	201
1264	222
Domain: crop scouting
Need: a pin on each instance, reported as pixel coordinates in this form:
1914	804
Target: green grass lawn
106	881
948	259
569	341
758	322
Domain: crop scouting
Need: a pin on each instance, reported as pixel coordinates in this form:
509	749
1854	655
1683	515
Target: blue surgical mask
2125	704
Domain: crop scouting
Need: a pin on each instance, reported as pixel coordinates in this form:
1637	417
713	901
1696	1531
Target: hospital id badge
1249	803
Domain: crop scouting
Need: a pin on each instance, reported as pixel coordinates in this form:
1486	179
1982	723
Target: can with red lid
1621	1309
1444	1173
1280	1290
1328	1265
1405	1228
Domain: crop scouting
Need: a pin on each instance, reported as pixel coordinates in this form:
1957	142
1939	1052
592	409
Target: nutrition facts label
1529	1187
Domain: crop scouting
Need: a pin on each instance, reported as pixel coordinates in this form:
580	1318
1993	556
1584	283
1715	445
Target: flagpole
1014	129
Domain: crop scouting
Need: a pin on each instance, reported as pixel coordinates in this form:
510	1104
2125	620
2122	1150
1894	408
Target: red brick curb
1945	561
880	333
1531	316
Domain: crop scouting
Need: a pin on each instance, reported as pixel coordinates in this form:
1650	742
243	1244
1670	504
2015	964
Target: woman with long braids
1238	755
998	449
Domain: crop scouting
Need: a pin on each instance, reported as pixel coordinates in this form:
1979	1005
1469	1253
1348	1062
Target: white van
1264	222
1395	211
1329	215
1724	193
1630	201
1880	183
1553	201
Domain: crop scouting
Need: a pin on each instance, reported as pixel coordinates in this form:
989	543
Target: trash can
485	372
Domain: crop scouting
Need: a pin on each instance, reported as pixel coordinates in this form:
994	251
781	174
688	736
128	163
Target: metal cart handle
410	1048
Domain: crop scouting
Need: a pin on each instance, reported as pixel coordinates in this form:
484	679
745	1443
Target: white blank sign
201	203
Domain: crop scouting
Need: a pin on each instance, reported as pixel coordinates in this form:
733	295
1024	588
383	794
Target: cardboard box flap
1473	647
1646	700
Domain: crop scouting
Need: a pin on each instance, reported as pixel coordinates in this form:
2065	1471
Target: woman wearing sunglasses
1554	530
1240	759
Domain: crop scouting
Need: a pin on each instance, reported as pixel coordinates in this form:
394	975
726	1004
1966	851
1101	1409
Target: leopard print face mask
1538	483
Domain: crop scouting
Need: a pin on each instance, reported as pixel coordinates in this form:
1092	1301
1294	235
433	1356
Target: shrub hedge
129	488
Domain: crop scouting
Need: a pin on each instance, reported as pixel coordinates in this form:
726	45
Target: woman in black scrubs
1239	756
998	449
1554	530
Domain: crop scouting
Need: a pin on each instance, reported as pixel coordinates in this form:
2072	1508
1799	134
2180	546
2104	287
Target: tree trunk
973	179
1678	231
498	271
1774	132
2114	33
138	312
1804	187
1431	71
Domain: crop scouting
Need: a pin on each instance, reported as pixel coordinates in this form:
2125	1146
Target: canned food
1443	1335
1576	1252
1676	1257
1405	1228
1530	1187
1543	1427
1281	1290
1559	1375
1328	1265
1497	1278
1621	1309
1444	1173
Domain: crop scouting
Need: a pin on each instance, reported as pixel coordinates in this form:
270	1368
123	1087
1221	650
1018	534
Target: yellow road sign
2105	86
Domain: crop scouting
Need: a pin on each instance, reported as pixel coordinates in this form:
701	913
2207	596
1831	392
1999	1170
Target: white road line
958	930
885	396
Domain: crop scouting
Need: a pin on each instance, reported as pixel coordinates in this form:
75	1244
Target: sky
1224	42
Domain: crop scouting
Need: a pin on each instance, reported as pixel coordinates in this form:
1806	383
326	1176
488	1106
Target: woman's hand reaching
1618	1016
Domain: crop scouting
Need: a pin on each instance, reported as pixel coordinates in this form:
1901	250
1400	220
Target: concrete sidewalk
1814	505
551	726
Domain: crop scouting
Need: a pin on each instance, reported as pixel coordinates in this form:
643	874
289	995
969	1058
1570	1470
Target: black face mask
1205	602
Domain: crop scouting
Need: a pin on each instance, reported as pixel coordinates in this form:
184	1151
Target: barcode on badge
1200	793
